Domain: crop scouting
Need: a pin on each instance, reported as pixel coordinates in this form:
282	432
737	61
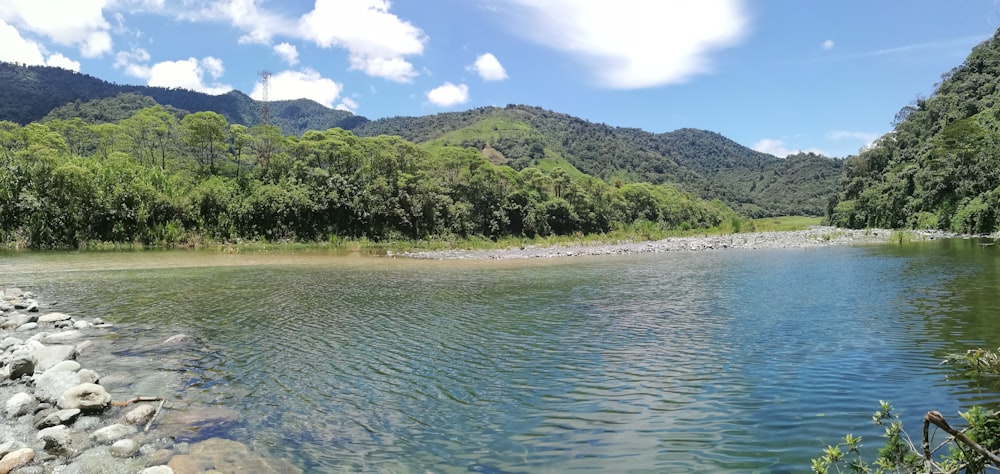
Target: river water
713	361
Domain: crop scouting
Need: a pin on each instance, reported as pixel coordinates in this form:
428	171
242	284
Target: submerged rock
227	456
140	415
112	433
124	448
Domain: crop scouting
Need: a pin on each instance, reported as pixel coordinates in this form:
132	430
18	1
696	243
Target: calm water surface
732	361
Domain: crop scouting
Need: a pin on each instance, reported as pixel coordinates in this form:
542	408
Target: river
710	361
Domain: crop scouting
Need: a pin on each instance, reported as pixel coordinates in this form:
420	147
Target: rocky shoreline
56	416
819	236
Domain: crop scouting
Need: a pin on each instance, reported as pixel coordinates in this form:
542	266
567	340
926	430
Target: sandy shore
814	237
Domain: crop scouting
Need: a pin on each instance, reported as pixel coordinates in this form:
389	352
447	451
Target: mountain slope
940	166
702	162
32	92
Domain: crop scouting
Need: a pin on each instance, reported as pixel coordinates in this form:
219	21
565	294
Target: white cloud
779	148
259	25
828	45
347	104
489	68
186	74
448	94
77	23
288	52
377	40
58	60
631	44
846	135
17	49
305	84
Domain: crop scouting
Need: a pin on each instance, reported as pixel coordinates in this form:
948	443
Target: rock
65	366
53	317
48	356
20	404
160	456
157	470
225	455
88	397
140	415
49	385
56	438
112	432
9	342
81	325
62	337
83	346
16	459
186	425
124	448
8	447
5	306
61	417
26	327
21	365
178	339
88	376
14	293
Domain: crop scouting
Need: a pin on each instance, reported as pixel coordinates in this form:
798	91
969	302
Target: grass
785	223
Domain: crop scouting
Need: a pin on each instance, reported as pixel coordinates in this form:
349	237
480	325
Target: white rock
20	404
65	366
124	448
53	317
112	433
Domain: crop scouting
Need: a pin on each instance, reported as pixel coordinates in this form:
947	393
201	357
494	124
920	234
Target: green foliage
977	361
940	166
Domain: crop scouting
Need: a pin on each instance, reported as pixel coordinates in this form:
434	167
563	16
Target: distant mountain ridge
702	162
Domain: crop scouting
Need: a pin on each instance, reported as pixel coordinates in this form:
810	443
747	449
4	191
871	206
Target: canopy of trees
153	179
940	167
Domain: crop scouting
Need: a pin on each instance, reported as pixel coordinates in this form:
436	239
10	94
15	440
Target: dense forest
156	179
696	161
940	166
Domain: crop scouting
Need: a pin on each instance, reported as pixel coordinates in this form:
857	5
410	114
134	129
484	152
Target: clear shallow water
707	361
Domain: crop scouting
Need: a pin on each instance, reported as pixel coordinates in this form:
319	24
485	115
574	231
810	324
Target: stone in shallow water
20	404
65	366
227	456
111	433
53	317
140	415
47	357
124	448
88	397
56	438
21	365
61	417
51	384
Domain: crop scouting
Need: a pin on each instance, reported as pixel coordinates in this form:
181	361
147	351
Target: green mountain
31	93
698	161
940	166
702	162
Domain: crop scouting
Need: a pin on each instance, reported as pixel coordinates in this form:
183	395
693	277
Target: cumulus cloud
78	23
377	40
347	104
259	26
828	45
17	49
489	68
288	52
185	74
448	94
304	84
779	148
847	135
631	44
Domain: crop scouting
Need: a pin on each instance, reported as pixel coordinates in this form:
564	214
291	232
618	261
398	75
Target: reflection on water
709	361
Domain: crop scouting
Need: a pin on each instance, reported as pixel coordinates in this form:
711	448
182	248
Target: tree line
154	179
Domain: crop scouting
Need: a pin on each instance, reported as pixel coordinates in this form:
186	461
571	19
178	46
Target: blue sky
777	75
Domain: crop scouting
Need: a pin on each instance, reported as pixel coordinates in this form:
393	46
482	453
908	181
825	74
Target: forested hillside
702	162
697	161
30	93
940	166
154	179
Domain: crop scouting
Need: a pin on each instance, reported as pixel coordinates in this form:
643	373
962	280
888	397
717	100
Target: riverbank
60	414
817	236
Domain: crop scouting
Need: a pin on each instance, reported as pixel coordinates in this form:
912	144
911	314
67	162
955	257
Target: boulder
21	365
53	317
61	417
62	337
157	470
14	293
48	356
81	325
56	438
8	447
88	376
88	397
9	342
16	459
26	327
49	385
124	448
20	404
112	433
65	366
140	415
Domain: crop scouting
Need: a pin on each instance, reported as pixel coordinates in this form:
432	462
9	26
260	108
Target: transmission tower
264	109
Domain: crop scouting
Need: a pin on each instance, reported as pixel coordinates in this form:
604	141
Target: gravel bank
814	237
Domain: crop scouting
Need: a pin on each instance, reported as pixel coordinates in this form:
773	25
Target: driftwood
155	413
935	418
136	399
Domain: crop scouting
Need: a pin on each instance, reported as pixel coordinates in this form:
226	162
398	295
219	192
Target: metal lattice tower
264	109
